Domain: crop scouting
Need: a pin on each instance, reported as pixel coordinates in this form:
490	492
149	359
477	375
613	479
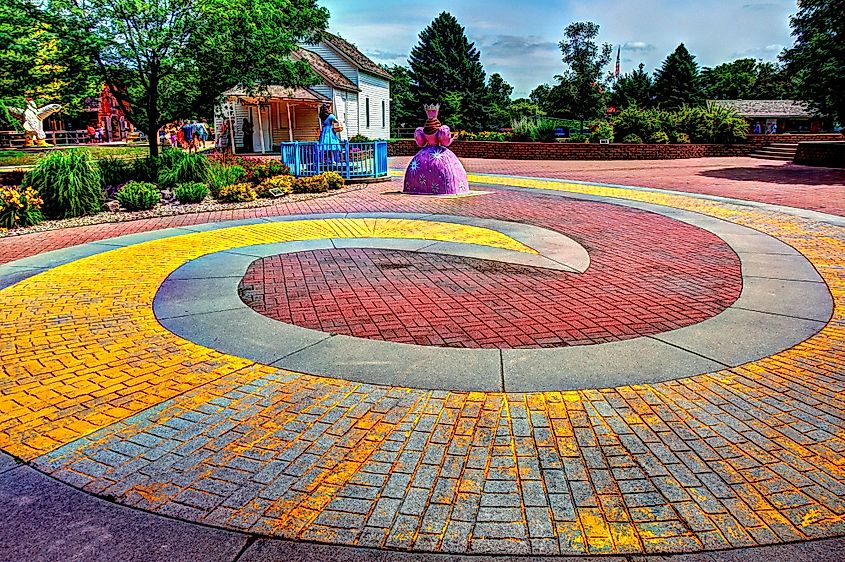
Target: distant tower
618	60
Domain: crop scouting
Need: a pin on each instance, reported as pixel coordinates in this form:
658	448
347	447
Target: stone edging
781	291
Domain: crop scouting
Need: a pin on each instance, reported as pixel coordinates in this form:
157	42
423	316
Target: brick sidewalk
766	181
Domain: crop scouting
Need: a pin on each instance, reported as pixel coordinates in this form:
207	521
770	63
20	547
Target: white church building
356	89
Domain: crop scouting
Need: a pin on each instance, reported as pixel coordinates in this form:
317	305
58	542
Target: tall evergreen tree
583	81
446	62
817	60
633	89
676	83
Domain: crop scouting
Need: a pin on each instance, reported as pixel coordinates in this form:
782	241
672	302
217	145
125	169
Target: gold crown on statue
431	110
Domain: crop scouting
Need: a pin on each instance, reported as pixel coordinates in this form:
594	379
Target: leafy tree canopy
745	79
446	62
676	83
583	82
634	89
817	60
38	63
171	59
500	97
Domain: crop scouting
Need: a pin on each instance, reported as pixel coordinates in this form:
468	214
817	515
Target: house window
383	114
367	103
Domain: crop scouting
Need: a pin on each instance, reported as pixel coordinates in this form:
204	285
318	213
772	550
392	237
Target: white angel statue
33	121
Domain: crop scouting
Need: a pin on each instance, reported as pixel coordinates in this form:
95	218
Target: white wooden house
356	88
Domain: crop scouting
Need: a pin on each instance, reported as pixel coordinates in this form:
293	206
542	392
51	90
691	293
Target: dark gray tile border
771	315
42	520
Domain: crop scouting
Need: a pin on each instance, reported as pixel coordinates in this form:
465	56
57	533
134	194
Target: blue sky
519	39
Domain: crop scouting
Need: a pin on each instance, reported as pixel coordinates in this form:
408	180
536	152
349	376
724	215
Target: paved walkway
751	179
98	395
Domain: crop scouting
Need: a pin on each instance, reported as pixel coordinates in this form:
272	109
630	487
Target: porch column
290	123
261	129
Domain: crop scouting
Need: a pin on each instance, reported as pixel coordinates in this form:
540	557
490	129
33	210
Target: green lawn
13	157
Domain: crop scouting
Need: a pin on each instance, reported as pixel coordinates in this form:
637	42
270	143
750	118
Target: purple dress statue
435	170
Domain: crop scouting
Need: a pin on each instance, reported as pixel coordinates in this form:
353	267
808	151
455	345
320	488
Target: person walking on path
202	132
188	130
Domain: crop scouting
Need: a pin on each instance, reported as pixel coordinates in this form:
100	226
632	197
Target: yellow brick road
96	392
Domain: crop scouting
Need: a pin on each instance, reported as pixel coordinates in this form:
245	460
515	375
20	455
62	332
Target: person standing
247	130
329	143
188	135
201	132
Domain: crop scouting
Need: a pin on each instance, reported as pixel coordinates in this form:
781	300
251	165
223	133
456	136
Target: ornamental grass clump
138	196
237	193
284	185
184	168
221	175
192	192
19	207
69	183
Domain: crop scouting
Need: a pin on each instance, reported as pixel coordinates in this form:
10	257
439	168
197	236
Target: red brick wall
578	151
827	154
583	151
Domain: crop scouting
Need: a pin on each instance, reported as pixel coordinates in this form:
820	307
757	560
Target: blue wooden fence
349	159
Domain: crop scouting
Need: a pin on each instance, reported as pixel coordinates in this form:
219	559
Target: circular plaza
542	367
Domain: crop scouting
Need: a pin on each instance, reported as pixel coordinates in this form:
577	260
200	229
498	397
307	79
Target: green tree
744	79
500	97
676	83
583	82
403	112
165	60
445	61
36	62
523	107
817	59
633	89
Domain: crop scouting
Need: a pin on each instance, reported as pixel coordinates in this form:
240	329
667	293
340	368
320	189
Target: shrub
192	192
115	171
237	193
603	130
315	184
640	122
138	196
632	139
334	180
19	207
725	125
659	138
69	183
680	138
185	168
360	138
488	136
255	169
282	183
219	176
145	169
692	121
578	137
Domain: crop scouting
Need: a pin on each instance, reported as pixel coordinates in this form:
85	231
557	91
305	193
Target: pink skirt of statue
435	170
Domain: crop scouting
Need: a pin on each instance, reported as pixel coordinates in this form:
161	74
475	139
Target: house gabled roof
327	72
358	58
785	109
277	92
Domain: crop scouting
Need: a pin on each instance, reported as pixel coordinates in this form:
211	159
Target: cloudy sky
519	39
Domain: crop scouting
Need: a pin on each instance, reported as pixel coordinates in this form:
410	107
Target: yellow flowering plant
19	207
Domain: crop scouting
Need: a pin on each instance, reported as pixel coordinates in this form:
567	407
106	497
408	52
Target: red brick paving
766	181
648	274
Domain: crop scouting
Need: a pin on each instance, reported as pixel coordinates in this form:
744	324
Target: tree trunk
153	138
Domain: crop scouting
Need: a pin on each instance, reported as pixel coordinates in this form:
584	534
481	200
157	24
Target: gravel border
170	210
